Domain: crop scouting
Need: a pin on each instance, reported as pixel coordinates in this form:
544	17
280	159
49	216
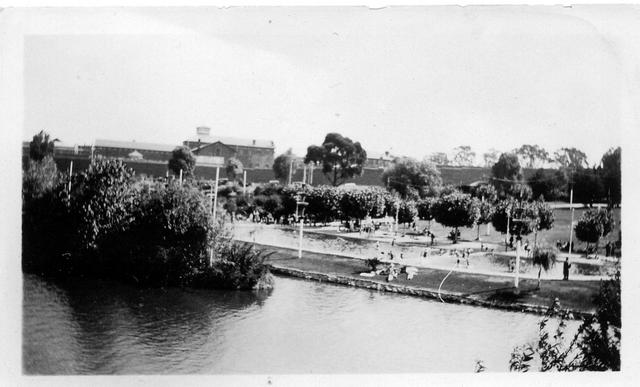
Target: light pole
571	225
397	212
300	203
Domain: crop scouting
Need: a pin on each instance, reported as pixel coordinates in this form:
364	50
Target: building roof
135	145
256	143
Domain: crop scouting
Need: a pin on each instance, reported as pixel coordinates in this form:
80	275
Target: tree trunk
539	272
478	234
488	230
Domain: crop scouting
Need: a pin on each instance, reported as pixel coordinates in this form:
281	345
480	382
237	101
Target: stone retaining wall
448	297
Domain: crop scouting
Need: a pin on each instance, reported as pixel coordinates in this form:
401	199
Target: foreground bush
152	235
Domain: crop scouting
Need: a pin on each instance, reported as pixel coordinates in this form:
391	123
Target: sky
409	80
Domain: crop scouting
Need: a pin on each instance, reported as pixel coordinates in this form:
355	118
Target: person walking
565	269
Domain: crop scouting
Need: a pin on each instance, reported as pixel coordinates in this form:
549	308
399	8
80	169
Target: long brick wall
450	175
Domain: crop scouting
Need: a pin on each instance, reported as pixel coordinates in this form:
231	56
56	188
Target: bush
240	267
153	235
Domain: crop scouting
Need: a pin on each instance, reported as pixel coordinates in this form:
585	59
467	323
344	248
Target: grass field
560	231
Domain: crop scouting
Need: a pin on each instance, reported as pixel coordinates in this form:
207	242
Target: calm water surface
299	327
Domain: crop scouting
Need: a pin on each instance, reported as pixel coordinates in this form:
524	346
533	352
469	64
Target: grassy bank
573	295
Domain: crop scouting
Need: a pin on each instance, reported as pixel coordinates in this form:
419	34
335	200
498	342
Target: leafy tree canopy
339	156
533	155
282	164
594	225
570	158
41	146
463	156
611	174
412	178
182	159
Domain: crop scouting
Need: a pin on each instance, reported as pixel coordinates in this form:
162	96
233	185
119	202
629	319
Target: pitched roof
135	145
234	141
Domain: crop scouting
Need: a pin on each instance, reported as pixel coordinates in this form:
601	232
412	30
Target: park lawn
574	295
560	230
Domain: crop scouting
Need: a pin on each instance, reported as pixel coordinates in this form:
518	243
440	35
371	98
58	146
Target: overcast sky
413	80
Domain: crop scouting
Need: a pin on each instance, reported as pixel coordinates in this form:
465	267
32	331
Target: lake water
95	327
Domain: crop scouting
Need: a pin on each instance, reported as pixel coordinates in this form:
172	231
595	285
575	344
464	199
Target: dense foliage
594	225
506	172
284	164
182	159
456	210
595	347
522	217
339	156
611	175
412	179
41	146
112	226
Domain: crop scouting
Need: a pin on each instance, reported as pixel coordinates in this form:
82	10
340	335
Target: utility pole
304	174
571	224
290	170
311	173
244	183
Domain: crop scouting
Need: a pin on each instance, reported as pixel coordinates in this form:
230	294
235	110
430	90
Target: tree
360	203
552	185
505	172
340	158
570	158
40	177
588	186
425	208
595	347
485	192
485	213
412	179
490	157
407	211
534	154
463	156
456	210
282	164
522	217
438	158
611	175
41	146
544	258
234	168
182	159
487	195
594	225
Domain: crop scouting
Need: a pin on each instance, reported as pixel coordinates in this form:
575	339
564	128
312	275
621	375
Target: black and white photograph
345	191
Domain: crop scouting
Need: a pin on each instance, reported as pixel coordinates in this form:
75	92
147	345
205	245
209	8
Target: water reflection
299	327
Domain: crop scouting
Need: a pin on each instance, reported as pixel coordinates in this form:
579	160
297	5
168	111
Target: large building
133	150
378	160
252	153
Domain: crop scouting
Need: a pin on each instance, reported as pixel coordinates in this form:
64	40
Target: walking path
463	287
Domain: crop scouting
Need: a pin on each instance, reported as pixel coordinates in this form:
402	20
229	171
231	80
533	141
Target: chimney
203	131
